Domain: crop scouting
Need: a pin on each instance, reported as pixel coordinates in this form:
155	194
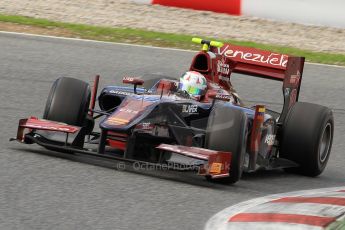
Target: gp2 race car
153	122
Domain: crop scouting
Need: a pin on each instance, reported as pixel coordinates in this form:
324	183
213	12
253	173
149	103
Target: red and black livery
153	122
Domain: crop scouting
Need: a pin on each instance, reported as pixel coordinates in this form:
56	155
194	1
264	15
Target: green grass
145	37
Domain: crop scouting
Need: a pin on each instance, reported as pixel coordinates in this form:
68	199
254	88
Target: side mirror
134	81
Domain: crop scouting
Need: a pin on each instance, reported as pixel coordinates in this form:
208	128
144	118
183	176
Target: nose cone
128	111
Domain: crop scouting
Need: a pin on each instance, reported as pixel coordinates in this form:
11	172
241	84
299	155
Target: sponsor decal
294	79
269	140
216	168
264	58
120	92
117	121
223	68
262	110
62	129
225	97
191	109
145	126
126	110
132	80
129	79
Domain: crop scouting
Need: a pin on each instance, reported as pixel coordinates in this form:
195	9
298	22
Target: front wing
214	163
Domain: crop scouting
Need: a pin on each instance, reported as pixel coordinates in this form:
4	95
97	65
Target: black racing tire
307	137
227	131
68	101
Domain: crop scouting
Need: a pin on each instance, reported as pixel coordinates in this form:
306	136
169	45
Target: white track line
127	44
93	41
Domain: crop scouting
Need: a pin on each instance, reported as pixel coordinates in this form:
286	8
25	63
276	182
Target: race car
197	122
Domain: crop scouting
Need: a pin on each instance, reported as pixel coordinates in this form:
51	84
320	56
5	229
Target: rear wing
266	64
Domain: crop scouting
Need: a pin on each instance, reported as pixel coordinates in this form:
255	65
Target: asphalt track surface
40	189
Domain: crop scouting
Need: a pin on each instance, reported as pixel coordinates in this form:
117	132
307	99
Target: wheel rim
325	143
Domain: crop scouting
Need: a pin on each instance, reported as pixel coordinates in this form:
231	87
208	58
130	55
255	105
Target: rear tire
226	131
68	101
307	137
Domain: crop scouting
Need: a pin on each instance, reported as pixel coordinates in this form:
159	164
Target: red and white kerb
313	209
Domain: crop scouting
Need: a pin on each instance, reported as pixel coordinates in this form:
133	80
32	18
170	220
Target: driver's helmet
194	83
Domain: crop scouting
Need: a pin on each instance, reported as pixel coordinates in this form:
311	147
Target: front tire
68	101
307	137
226	131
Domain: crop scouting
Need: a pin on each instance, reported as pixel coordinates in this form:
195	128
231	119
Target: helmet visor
191	90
